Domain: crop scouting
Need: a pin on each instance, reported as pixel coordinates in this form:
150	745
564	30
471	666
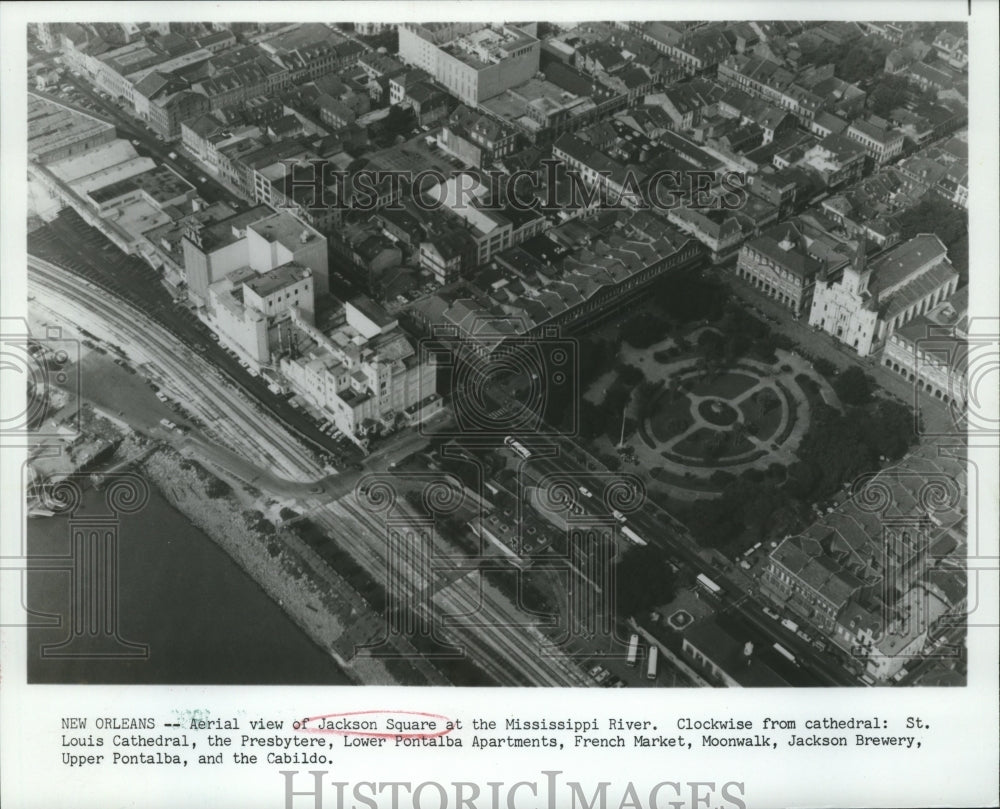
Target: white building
491	230
363	373
472	60
931	350
252	311
257	238
864	304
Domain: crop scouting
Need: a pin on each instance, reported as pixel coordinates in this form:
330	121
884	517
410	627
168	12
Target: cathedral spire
860	255
859	264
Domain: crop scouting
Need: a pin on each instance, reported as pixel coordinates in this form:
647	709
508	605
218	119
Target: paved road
817	343
659	527
70	243
149	145
505	645
187	375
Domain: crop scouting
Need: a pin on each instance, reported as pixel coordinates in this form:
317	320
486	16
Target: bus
517	446
629	534
709	585
651	663
633	649
784	653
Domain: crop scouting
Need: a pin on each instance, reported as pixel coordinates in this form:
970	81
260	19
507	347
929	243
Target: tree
217	489
933	215
644	329
824	367
643	580
854	386
629	374
892	91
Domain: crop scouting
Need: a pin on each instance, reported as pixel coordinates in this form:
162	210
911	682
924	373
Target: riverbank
319	602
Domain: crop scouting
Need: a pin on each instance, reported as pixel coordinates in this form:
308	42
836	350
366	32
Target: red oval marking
377	734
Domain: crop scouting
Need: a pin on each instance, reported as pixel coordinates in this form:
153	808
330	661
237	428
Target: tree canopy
643	580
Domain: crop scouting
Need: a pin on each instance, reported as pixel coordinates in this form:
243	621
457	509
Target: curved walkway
765	450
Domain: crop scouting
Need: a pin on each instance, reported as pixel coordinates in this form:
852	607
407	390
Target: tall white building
364	374
252	311
865	303
257	238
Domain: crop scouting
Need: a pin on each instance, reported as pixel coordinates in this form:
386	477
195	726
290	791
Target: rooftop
270	282
230	230
286	230
726	652
371	310
160	183
52	126
894	268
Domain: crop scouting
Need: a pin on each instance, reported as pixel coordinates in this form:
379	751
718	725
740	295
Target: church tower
857	274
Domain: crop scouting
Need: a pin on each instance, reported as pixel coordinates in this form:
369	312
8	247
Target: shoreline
269	559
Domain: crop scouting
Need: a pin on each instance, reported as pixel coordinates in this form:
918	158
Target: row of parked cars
605	678
791	626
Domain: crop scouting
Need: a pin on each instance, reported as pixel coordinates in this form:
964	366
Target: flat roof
301	36
371	310
285	229
224	232
269	282
726	652
93	160
160	183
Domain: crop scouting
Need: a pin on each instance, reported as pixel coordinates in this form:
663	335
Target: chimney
304	236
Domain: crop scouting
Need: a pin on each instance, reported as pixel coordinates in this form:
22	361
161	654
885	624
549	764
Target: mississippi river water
205	621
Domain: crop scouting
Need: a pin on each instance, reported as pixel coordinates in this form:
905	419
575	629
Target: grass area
671	416
792	409
726	385
762	413
690	481
712	445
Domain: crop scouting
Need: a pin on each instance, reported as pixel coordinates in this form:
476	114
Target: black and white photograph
592	354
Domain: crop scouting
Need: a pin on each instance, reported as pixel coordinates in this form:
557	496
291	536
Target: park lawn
696	445
726	385
762	412
670	408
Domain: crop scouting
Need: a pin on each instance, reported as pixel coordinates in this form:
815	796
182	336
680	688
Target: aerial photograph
609	354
